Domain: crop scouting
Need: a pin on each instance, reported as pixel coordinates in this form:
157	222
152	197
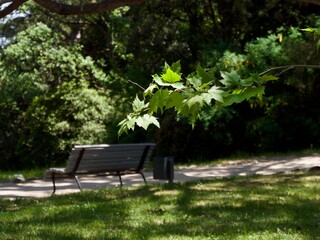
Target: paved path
43	188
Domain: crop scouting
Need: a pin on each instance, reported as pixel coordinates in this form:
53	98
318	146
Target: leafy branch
188	95
287	68
316	34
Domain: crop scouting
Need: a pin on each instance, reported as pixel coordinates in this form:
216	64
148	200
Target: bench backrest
108	157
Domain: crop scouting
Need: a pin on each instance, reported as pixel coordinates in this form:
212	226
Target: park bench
111	159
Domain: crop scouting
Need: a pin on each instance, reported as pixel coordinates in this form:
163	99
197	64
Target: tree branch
315	2
4	1
81	9
89	8
68	9
286	68
11	7
137	85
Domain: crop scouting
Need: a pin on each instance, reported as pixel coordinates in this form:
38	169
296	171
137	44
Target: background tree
51	97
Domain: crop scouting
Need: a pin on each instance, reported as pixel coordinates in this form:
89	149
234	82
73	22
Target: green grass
30	173
285	206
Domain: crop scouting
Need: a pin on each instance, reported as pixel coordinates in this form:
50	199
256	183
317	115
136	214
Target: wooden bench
111	159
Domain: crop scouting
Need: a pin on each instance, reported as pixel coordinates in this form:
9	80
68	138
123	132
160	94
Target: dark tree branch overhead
316	2
89	8
56	6
8	6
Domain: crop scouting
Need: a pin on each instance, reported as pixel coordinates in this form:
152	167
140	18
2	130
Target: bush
74	114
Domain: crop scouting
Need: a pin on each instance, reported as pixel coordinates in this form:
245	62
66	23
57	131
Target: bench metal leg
53	177
144	178
53	182
78	182
120	179
141	173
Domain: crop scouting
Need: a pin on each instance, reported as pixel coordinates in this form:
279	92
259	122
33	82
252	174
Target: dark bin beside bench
163	168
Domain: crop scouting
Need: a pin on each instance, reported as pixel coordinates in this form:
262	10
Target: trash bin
163	168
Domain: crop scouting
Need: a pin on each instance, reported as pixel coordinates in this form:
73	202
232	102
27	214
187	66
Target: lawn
284	206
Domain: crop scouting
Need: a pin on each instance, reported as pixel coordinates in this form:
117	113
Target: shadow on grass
279	207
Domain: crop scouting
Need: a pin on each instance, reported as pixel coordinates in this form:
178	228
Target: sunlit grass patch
166	193
282	206
30	173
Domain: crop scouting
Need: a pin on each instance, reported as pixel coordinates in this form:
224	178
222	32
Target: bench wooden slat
100	164
88	156
112	168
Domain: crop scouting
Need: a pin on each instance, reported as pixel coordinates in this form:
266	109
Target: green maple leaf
253	92
195	81
158	101
230	79
145	120
195	100
178	85
256	78
174	100
171	76
204	75
192	105
240	95
160	82
126	124
216	93
266	78
191	108
137	104
176	67
149	90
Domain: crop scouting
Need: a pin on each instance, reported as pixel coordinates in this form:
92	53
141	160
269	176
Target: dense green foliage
284	206
51	97
72	79
200	89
